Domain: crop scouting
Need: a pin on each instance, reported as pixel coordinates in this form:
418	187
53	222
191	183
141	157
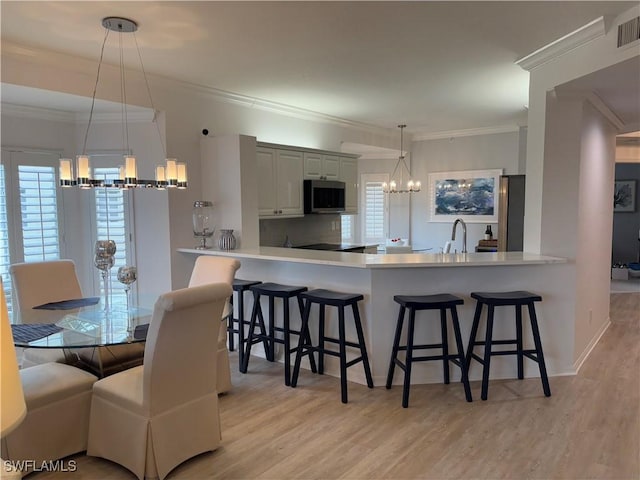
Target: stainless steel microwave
323	196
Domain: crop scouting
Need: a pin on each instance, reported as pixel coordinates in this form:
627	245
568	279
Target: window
347	229
112	220
375	211
29	211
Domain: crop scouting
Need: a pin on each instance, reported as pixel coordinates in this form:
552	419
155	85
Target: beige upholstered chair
209	269
57	399
151	418
37	283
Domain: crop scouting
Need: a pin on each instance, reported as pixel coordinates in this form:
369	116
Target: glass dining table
100	341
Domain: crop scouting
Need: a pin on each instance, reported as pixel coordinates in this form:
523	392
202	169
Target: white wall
151	240
479	152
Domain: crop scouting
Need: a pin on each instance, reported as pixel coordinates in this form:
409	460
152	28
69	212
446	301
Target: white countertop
394	260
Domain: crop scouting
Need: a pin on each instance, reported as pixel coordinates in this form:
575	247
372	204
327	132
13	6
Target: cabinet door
267	199
289	173
330	167
312	165
349	175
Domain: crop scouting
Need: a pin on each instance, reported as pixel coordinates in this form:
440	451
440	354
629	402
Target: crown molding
115	117
274	107
37	113
595	101
469	132
575	39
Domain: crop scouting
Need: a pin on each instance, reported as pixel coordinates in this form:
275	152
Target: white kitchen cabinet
318	166
280	174
349	175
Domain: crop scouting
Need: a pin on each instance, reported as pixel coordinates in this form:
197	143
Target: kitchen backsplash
305	230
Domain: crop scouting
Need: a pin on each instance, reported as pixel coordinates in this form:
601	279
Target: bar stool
442	302
268	338
499	299
240	287
305	347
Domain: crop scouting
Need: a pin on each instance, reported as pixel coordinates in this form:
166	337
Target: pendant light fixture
171	175
401	181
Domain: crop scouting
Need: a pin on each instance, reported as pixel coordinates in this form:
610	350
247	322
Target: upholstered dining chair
210	269
151	418
57	399
37	283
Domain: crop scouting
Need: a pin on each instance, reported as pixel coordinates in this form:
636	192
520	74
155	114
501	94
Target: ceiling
435	66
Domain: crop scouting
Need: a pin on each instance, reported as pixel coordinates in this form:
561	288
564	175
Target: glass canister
226	241
203	226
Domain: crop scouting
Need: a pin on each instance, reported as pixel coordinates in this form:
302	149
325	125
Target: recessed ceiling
435	66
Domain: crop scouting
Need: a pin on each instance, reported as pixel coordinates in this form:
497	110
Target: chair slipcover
37	283
58	399
151	418
209	269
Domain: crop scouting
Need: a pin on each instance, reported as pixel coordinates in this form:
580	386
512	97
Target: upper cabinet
280	174
318	166
282	168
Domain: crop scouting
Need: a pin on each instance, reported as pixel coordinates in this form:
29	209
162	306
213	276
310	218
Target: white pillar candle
182	175
160	177
83	166
130	167
172	171
66	172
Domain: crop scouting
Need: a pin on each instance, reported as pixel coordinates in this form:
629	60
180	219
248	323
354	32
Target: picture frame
624	196
471	195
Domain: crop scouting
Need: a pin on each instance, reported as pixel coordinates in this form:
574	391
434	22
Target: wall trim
23	111
469	132
553	50
577	365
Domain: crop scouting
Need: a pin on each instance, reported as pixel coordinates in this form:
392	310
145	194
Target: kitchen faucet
464	233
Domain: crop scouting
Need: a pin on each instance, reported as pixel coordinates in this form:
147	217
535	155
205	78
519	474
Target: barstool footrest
421	347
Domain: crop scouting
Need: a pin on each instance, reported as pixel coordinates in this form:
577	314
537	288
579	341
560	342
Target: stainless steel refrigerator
511	213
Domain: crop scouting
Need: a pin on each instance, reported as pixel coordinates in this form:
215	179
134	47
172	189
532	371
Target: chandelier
171	175
401	181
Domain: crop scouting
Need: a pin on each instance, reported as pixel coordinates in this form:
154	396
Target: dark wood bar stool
268	336
500	299
240	287
442	302
305	347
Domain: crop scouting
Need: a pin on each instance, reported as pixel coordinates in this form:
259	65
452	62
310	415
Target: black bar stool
340	300
239	286
500	299
442	302
268	338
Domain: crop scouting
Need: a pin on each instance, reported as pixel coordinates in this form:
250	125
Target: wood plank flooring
588	429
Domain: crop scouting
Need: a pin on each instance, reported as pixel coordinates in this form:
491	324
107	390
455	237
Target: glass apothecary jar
203	226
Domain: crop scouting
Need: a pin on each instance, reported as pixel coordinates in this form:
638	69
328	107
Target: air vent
629	32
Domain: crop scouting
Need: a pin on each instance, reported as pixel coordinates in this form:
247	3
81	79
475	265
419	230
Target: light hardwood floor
588	429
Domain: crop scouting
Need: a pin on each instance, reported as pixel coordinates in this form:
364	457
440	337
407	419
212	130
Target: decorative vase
227	241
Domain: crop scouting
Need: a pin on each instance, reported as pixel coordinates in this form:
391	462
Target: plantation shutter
39	213
111	225
5	259
375	211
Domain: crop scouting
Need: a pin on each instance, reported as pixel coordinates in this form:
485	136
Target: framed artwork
471	195
624	196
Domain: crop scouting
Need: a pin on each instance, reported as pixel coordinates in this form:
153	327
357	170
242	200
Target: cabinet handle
280	211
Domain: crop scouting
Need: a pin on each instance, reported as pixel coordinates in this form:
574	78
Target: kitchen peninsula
381	276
